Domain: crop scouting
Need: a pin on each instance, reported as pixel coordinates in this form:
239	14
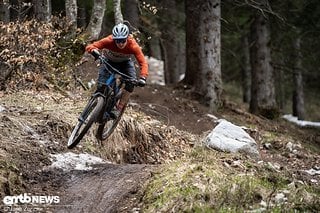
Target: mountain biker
120	46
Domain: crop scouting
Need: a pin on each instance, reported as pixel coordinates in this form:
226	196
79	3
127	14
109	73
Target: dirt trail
107	188
30	133
117	187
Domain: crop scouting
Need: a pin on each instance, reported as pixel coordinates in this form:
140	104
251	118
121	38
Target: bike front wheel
85	121
105	129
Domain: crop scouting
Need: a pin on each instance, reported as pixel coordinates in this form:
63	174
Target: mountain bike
99	106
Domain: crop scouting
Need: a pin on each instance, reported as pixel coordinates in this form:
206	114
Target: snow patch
156	71
312	171
71	161
302	123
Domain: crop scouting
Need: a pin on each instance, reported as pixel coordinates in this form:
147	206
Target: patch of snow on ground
312	171
71	161
295	120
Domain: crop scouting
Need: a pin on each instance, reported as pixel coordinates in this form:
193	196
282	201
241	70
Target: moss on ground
202	183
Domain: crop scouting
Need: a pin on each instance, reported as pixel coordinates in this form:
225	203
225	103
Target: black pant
126	67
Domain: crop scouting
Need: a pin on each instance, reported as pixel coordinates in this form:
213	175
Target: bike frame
112	90
101	102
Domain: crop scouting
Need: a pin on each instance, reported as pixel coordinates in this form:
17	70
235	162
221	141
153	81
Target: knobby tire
89	115
106	129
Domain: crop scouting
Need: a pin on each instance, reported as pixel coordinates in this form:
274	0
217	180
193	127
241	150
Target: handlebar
96	54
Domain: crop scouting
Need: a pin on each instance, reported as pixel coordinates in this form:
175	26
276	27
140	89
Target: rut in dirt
107	188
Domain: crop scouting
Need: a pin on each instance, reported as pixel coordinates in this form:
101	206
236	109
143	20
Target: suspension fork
107	94
93	97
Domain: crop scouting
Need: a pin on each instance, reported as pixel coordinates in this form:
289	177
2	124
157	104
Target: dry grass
208	181
36	124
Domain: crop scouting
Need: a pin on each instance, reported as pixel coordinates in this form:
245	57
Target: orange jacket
116	54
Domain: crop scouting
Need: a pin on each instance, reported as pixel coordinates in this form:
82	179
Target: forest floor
162	125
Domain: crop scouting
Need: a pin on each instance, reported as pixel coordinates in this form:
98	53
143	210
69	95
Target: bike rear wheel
105	129
85	121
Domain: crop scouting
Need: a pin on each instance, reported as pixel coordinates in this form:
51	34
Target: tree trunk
298	95
155	48
94	28
246	81
263	100
280	89
131	12
181	58
117	11
203	49
170	42
14	10
192	42
42	10
5	11
71	14
82	16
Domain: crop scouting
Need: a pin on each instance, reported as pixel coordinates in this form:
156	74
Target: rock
2	109
263	203
312	171
274	166
231	138
280	198
267	146
289	146
212	117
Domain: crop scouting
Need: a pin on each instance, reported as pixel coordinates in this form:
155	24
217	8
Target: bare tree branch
263	6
